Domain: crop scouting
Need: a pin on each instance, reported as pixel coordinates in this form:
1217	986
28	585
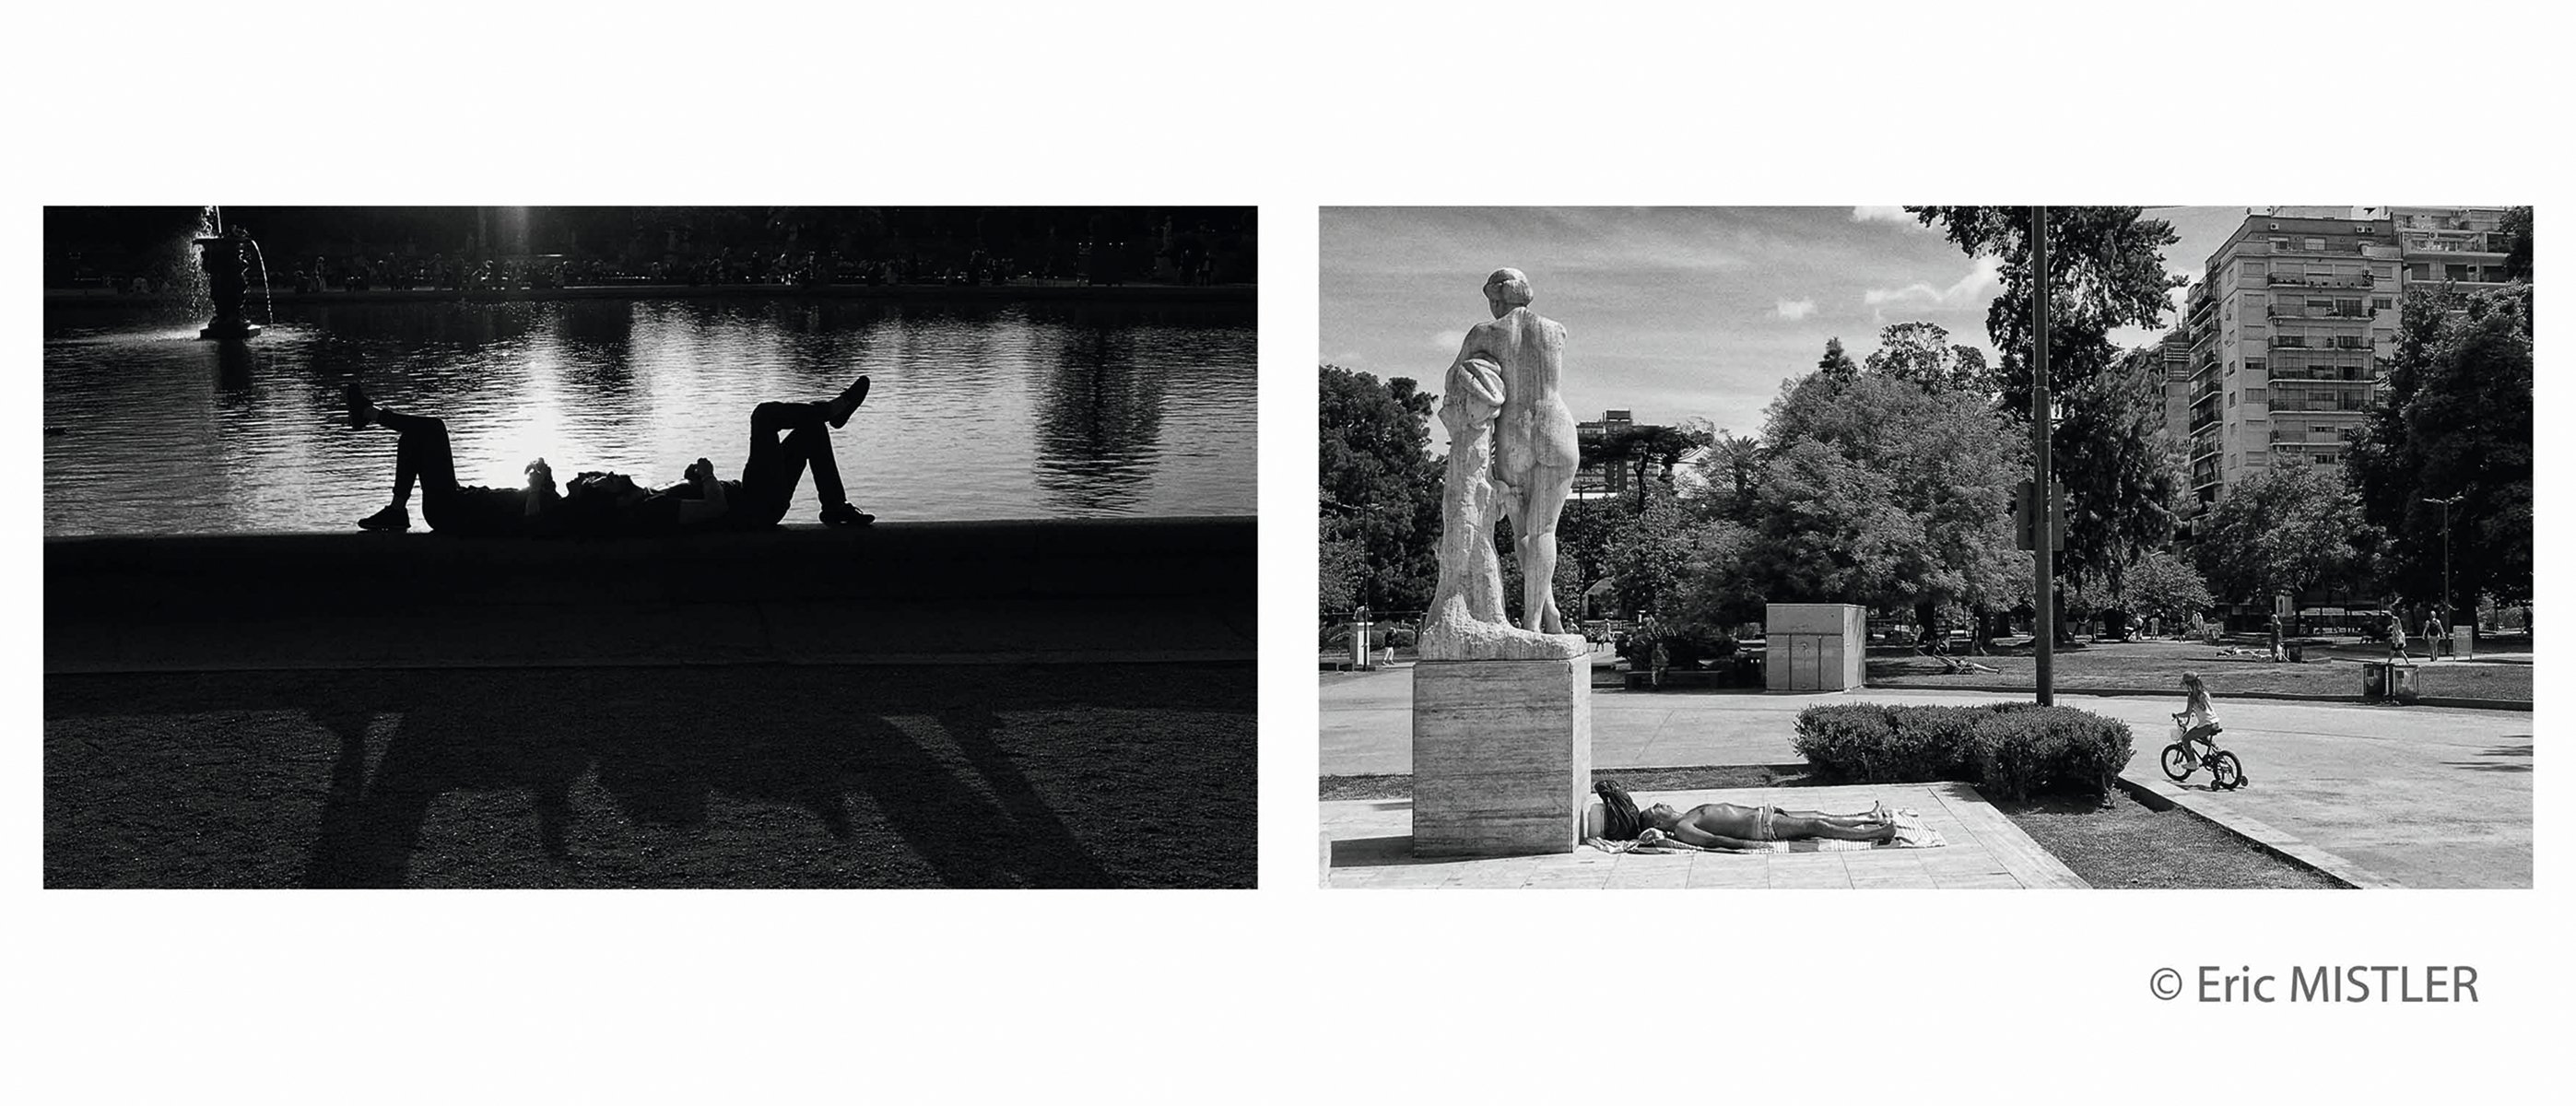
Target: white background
1288	993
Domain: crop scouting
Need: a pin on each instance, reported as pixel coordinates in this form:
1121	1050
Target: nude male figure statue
1535	454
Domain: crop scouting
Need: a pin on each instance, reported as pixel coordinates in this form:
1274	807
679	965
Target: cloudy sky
1671	312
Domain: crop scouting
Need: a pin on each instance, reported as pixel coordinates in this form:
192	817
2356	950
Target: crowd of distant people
461	273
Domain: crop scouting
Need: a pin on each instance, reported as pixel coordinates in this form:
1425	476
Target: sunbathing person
1729	826
773	466
423	457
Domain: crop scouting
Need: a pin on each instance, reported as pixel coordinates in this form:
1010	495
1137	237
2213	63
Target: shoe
842	514
394	517
361	410
848	402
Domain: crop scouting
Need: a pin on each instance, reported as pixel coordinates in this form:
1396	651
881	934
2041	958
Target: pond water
977	410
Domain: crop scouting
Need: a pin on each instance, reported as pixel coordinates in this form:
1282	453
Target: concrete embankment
896	593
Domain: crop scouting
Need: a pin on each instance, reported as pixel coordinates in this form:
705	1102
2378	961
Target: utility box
1814	646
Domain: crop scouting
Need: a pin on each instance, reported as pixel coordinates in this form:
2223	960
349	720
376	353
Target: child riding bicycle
2198	720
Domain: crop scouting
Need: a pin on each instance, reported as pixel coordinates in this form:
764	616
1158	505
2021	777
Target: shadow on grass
924	751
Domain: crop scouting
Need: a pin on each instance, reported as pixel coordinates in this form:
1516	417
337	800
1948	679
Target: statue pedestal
1502	756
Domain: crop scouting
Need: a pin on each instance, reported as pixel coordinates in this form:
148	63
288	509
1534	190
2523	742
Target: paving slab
2402	796
1368	843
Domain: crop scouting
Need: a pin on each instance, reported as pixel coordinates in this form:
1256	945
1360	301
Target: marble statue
1511	454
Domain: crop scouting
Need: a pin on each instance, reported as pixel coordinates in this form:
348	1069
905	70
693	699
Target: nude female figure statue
1535	455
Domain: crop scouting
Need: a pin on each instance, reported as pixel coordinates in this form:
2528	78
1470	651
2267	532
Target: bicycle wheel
2225	772
2179	763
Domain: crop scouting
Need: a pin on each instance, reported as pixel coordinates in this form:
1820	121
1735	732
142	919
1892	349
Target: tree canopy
1922	354
2282	529
1380	488
1877	491
2455	420
2106	271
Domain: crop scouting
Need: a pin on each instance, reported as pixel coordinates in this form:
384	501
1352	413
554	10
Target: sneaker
393	517
847	402
842	514
361	410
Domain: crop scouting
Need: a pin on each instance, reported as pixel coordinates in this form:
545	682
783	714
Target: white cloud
1885	215
1969	291
1448	341
1796	309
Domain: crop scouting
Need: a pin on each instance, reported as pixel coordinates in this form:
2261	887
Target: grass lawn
2116	844
2122	843
2160	665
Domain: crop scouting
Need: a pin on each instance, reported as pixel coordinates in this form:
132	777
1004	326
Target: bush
2009	750
2049	749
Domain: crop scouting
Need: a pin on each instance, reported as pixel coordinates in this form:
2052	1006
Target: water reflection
978	411
1098	419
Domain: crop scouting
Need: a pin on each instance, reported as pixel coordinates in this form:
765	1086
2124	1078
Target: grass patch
1400	786
2123	843
2160	664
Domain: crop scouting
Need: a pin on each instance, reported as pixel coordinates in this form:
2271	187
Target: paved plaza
2403	796
1369	843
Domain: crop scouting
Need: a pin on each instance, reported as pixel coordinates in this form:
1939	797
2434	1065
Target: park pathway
2412	796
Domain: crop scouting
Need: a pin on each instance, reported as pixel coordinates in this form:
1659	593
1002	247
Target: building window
2382	303
2420	270
2231	401
2325	458
2313	245
2321	430
2253	366
2253	395
2459	272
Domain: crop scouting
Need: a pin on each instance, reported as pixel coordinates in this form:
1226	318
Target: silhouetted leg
812	446
424	455
770	469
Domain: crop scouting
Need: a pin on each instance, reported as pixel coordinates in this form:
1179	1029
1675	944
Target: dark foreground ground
1093	775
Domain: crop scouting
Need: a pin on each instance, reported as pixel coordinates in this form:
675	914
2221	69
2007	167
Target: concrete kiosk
1814	646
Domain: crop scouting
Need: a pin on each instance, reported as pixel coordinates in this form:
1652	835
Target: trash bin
2293	647
2401	683
2374	679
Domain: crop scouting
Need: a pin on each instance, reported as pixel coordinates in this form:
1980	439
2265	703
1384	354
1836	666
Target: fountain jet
228	279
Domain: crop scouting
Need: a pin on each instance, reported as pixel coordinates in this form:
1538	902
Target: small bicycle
2180	760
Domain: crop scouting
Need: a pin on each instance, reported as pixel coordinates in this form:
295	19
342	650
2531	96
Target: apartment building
1594	478
2291	329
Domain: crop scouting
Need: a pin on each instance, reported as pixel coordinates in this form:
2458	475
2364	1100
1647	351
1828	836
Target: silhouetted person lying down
609	503
1729	826
423	456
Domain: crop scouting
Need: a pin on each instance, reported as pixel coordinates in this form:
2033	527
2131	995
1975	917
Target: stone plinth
1502	756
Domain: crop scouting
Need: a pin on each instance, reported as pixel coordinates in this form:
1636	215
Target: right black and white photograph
1926	547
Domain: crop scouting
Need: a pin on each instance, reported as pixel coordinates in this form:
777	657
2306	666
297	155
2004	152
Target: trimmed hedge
2009	750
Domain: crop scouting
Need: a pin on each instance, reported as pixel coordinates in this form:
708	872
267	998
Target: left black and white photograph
678	547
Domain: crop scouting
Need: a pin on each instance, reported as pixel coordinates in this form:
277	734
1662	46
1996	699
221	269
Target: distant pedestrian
1659	659
2397	640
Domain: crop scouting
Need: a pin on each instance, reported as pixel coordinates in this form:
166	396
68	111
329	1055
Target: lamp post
2446	502
2043	570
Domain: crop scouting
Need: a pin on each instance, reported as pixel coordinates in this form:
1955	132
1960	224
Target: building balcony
2339	280
2298	311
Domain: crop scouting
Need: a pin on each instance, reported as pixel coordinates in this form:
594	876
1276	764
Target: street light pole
2447	613
2043	565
